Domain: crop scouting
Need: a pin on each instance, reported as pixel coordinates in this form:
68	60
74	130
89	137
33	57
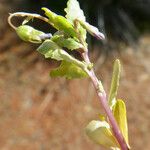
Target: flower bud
29	34
92	30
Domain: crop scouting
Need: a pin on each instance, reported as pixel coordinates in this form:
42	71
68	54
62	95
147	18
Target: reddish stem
103	99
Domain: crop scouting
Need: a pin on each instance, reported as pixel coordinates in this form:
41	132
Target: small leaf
119	111
47	46
60	23
51	50
63	24
68	43
68	70
100	133
73	11
29	34
92	30
114	83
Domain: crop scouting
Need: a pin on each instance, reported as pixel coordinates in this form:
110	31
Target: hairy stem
103	99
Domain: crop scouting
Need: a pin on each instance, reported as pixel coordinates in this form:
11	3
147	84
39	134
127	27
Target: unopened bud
29	34
92	30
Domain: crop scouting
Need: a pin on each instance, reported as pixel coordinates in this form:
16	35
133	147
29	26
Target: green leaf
29	34
119	111
63	24
114	83
47	46
51	50
60	23
68	70
92	30
68	43
65	56
73	11
100	133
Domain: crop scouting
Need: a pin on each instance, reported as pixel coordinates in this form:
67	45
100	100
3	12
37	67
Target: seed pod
29	34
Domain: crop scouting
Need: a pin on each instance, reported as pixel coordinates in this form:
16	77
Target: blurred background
41	113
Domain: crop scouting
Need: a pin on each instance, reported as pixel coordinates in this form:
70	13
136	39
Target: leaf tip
44	8
99	36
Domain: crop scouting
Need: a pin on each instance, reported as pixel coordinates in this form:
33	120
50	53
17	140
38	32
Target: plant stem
24	14
103	99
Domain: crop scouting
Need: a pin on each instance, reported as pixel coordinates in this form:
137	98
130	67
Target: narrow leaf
60	23
119	111
73	11
68	43
63	24
114	83
100	133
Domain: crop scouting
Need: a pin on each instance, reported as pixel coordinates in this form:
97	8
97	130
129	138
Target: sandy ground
41	113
